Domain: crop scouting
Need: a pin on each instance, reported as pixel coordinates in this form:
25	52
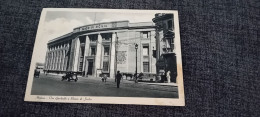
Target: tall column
61	59
98	54
157	45
54	60
48	61
86	54
58	60
71	55
65	60
67	55
76	55
112	56
50	64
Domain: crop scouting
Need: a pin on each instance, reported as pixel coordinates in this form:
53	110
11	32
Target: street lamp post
152	62
136	47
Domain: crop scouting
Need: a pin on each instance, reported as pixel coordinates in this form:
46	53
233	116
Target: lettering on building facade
96	26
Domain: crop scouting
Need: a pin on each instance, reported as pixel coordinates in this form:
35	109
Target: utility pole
136	61
136	47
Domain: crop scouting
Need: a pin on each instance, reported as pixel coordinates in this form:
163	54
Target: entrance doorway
90	67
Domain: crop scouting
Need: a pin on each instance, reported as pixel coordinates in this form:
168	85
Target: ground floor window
145	66
81	63
80	66
105	65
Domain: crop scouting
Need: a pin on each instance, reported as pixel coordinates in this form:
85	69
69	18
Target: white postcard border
109	100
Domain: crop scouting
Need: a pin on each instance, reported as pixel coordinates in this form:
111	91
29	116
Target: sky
58	23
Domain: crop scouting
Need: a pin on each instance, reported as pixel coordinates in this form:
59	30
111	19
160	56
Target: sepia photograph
109	56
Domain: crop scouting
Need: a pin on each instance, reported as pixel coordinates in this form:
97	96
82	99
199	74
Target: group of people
119	77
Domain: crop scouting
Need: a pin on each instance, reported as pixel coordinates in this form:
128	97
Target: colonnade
56	57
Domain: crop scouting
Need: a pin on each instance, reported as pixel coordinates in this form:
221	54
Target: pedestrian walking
105	77
118	78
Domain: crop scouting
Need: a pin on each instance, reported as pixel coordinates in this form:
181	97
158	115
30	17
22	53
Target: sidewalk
113	80
170	87
162	84
152	86
131	81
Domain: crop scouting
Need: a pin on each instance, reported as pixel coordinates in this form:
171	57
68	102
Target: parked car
70	76
36	73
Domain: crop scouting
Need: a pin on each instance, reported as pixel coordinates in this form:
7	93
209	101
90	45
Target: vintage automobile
70	76
36	73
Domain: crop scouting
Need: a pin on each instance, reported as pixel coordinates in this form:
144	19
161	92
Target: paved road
52	85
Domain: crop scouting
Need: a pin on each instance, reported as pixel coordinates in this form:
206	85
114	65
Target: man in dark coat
118	78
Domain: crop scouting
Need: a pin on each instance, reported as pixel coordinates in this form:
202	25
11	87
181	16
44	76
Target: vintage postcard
107	56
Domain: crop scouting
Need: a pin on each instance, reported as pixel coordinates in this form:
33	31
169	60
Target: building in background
103	48
165	50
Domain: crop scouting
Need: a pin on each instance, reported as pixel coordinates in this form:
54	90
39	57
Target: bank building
104	48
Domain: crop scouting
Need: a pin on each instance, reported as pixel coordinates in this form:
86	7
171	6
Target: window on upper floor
106	36
145	50
106	51
145	34
93	38
82	50
93	51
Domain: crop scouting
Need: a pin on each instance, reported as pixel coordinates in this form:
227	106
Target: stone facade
165	49
103	48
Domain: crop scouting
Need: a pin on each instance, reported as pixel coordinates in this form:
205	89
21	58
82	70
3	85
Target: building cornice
74	34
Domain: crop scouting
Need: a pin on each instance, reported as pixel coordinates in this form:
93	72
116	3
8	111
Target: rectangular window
146	66
80	66
106	51
106	36
82	39
105	65
93	38
82	50
93	51
81	59
145	50
145	34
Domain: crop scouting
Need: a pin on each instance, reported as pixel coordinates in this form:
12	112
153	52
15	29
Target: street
91	86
